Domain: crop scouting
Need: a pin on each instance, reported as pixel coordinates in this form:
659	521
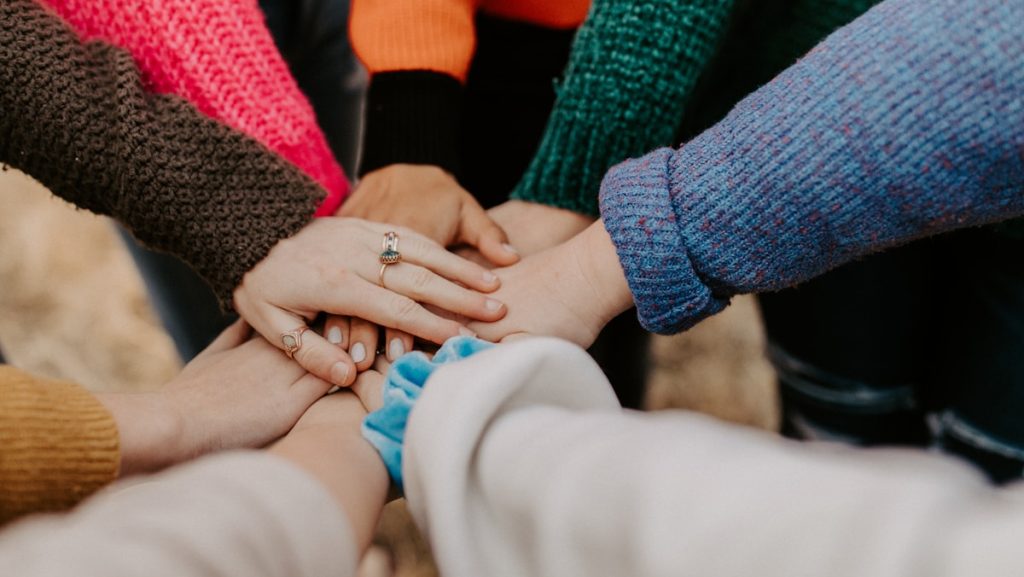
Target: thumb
233	336
478	230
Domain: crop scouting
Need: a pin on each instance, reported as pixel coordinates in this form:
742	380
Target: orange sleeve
396	35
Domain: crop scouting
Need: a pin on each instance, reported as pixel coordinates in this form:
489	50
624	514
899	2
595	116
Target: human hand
430	201
569	291
333	266
533	227
238	393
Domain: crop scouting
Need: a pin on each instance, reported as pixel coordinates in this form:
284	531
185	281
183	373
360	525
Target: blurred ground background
72	306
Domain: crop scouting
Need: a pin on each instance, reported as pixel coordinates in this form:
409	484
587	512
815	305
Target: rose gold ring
292	341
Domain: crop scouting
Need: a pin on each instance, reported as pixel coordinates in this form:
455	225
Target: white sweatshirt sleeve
518	462
244	514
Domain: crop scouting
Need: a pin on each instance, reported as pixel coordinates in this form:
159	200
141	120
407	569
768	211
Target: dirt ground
72	306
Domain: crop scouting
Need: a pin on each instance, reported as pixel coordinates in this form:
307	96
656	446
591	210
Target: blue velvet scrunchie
385	427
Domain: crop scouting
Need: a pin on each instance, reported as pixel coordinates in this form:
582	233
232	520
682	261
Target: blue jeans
312	35
921	345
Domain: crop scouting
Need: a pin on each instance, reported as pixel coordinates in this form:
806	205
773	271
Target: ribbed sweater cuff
633	67
58	445
412	117
572	159
637	208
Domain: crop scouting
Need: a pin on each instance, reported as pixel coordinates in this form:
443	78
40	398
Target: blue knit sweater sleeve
906	123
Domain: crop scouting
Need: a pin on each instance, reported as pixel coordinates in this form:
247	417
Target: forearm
879	136
337	456
148	429
621	96
77	119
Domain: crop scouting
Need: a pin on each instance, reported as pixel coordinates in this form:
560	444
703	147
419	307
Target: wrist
327	444
150	431
601	269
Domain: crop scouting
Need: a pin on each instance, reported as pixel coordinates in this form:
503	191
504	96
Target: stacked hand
570	291
333	266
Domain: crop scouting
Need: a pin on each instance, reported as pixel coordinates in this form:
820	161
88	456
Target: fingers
422	285
477	229
315	354
305	391
231	337
418	249
369	387
390	309
336	331
363	337
396	344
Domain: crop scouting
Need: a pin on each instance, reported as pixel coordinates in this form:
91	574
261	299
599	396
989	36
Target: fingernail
490	277
358	353
339	373
396	349
509	248
466	332
493	305
334	336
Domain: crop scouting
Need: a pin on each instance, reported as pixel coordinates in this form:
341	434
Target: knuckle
405	309
312	358
422	280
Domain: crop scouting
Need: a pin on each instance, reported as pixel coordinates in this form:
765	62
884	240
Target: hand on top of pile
333	266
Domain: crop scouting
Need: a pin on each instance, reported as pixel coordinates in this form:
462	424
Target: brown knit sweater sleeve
75	117
58	444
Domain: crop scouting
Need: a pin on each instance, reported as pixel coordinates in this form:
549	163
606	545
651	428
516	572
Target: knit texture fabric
906	123
385	427
419	55
58	445
77	119
439	35
633	67
764	38
221	57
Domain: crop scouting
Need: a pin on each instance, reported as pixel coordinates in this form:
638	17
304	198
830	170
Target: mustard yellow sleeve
58	444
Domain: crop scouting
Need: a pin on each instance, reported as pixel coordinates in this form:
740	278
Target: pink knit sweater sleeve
219	55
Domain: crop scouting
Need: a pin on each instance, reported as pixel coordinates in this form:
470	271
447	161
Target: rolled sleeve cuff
638	212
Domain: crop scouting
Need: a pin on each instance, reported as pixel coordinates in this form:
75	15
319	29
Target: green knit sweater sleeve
632	68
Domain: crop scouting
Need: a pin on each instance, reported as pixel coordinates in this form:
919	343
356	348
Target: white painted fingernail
339	373
396	349
466	332
334	336
358	353
510	248
493	305
490	277
333	390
